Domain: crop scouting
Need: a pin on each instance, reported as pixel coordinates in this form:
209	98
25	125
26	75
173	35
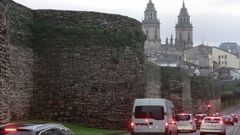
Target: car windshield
16	133
227	116
212	120
153	112
182	117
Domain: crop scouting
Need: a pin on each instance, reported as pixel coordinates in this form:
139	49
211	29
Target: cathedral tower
150	24
184	36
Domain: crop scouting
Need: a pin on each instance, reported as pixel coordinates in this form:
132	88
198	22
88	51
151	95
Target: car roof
31	126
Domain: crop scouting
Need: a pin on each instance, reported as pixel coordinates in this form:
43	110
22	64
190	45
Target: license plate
212	125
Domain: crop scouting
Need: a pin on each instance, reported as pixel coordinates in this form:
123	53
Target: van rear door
149	119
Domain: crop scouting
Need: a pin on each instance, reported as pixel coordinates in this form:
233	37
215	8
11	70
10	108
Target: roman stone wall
4	65
152	77
18	60
89	68
205	91
172	80
81	67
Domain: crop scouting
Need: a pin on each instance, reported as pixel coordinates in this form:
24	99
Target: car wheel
132	133
201	133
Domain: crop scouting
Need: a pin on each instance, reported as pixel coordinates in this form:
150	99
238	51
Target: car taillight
10	129
132	124
221	122
146	120
166	124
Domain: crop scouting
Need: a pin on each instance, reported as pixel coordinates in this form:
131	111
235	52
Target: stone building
210	58
170	49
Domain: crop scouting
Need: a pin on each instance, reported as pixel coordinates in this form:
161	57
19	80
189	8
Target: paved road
231	130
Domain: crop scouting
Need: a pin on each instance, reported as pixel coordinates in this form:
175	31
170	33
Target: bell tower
150	24
184	30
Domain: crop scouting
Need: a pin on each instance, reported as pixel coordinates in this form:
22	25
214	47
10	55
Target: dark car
199	118
34	129
235	118
228	119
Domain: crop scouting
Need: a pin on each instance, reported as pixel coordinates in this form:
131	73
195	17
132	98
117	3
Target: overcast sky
214	21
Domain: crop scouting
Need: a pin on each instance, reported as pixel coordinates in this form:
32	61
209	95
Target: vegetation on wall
89	34
230	94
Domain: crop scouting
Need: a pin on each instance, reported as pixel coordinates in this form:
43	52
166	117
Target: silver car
212	125
185	123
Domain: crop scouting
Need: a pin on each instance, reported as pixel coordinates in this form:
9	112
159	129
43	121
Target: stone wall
152	77
205	91
18	61
89	68
190	94
175	87
81	67
4	64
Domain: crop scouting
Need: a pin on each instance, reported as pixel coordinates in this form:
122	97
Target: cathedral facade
172	48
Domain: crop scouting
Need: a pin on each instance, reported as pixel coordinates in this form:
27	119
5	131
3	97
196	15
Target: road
231	130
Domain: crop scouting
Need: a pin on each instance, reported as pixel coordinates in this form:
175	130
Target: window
225	62
212	120
153	112
52	131
219	57
182	117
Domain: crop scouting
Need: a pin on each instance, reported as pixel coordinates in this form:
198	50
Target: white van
153	116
